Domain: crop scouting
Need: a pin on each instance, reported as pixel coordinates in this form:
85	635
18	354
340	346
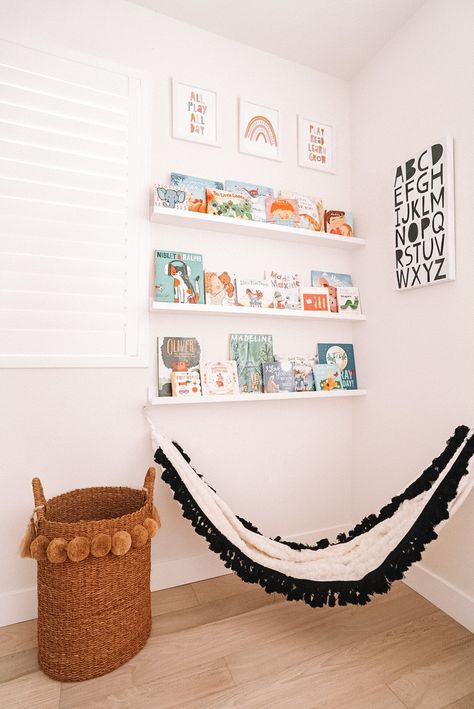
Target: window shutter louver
72	212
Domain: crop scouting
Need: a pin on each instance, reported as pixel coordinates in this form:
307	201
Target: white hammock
358	564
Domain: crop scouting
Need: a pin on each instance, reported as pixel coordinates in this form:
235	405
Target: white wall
416	352
285	465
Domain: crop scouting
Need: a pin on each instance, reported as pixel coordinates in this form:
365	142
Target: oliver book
175	354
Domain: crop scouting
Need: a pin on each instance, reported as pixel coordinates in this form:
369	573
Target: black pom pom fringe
356	592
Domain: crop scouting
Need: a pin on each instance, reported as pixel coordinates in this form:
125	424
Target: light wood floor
222	643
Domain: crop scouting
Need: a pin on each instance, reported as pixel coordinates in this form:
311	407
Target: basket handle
38	494
149	483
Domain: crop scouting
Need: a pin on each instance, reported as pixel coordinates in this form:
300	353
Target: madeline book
343	357
219	288
327	377
286	289
302	369
184	384
331	281
281	211
250	351
179	277
224	203
255	194
278	376
175	354
311	210
170	196
338	222
219	378
196	189
348	299
254	293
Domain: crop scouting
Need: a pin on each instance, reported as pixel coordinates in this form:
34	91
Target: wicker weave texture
93	615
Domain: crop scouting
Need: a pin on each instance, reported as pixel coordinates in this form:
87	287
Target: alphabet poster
195	114
259	130
424	218
315	145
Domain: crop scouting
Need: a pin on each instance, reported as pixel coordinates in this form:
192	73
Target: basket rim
49	521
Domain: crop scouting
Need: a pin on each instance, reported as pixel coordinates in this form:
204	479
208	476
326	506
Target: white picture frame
424	225
316	145
259	130
195	113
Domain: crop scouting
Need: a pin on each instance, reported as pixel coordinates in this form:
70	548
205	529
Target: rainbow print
261	128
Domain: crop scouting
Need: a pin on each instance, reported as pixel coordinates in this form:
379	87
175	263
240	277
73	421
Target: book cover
311	210
254	293
175	354
286	289
315	299
219	378
278	376
348	299
170	196
185	383
343	357
248	189
178	277
327	377
196	189
250	351
302	370
284	212
228	204
331	281
338	222
219	288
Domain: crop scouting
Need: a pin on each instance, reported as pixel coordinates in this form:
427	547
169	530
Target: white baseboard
17	606
441	593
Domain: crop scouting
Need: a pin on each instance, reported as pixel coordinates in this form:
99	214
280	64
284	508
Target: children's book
228	204
348	299
281	211
196	189
175	354
343	357
315	299
311	210
219	288
255	194
338	222
253	293
331	281
286	289
250	352
327	377
185	383
278	376
178	277
170	196
219	378
302	370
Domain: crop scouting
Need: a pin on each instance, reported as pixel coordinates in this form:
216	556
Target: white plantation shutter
72	212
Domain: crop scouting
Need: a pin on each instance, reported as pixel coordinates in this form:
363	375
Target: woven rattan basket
93	552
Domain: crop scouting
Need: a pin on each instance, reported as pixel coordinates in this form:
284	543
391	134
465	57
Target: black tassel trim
320	593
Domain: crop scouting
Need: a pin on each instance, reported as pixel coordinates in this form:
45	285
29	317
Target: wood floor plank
19	663
431	686
170	600
33	691
220	587
18	637
466	702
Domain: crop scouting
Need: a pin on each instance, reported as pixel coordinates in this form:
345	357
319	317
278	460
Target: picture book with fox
327	377
278	376
254	293
286	289
341	355
179	277
219	378
196	189
250	351
175	354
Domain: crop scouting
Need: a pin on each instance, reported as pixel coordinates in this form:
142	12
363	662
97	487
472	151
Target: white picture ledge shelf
176	308
155	400
245	227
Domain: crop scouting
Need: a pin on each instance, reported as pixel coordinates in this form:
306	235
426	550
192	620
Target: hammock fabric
358	564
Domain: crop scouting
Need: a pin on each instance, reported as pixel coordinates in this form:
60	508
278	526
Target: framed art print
315	145
259	130
195	114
